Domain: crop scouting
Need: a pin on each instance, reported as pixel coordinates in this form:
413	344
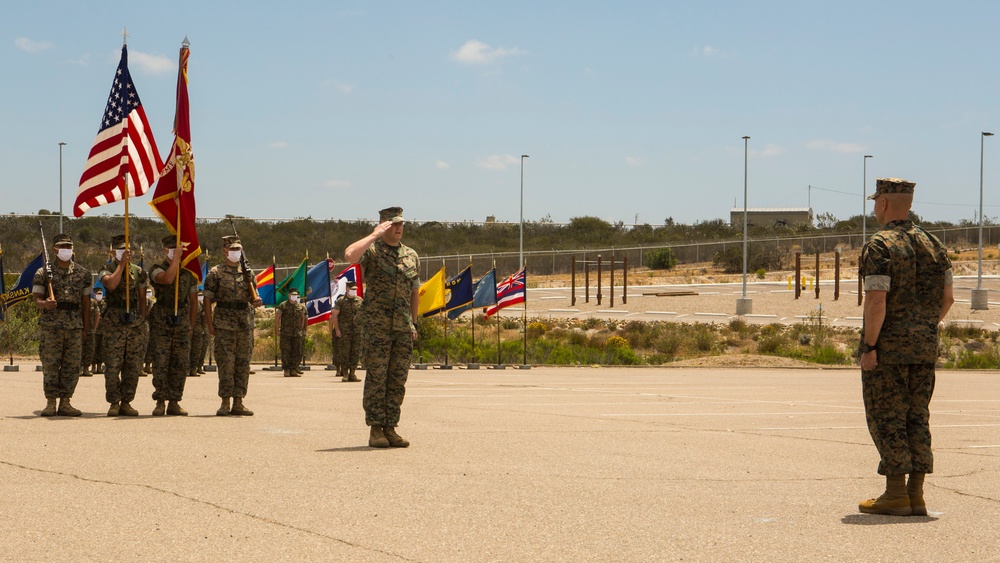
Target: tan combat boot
50	408
352	377
66	409
161	408
395	440
127	410
894	501
376	438
192	373
224	409
915	490
288	373
239	409
113	411
174	409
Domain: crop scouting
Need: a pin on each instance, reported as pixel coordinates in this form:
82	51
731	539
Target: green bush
661	259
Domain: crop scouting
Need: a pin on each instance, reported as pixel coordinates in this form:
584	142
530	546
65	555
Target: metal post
61	145
625	280
521	254
612	284
817	275
598	279
980	300
836	275
572	284
744	306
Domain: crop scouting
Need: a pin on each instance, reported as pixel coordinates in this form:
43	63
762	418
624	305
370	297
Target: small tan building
772	216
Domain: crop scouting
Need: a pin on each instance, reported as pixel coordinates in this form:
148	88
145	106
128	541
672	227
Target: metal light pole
864	222
61	145
744	305
979	295
521	255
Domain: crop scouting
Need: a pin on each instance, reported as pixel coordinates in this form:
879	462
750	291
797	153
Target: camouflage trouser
60	350
122	361
291	351
232	353
897	399
98	349
87	357
171	357
199	342
148	344
346	351
387	363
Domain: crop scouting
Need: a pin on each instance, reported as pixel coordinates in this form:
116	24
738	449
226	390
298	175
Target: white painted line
684	315
712	314
762	316
966	321
982	447
564	310
855	318
708	292
611	311
661	312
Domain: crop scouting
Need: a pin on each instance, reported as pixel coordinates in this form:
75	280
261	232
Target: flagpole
177	241
128	268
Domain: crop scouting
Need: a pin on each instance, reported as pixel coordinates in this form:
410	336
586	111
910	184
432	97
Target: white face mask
170	254
64	254
119	254
234	255
293	298
201	299
149	294
352	292
98	297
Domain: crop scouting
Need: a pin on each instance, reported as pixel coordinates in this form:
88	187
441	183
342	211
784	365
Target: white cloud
278	145
497	162
770	150
707	52
827	145
477	52
154	64
338	184
442	165
32	46
633	160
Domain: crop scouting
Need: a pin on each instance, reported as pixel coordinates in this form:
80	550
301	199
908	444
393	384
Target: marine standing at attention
123	328
170	327
63	295
392	295
346	336
908	292
230	288
290	322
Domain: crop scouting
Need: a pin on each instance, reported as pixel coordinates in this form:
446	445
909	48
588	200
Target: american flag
124	145
509	292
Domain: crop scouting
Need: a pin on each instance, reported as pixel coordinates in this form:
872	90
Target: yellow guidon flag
432	294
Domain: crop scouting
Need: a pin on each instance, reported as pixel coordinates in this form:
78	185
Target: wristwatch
865	348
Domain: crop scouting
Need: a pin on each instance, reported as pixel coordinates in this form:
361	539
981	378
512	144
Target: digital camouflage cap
892	186
394	214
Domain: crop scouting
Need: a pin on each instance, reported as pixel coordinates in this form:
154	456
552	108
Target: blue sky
627	109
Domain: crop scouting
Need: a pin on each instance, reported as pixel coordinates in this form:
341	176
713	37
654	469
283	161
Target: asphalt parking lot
546	464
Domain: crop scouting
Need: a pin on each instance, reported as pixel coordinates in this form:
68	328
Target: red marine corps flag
173	199
124	161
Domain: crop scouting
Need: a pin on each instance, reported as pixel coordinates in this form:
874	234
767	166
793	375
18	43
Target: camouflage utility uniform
122	334
347	347
912	266
172	334
90	340
233	321
60	344
391	273
199	343
293	336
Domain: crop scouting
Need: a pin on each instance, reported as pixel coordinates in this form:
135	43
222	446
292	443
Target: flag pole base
524	366
471	366
419	366
11	368
38	368
445	366
498	366
272	368
211	368
331	367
